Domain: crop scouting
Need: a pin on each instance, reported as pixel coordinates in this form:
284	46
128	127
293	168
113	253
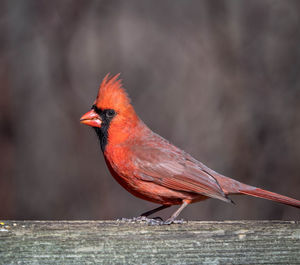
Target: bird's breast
119	163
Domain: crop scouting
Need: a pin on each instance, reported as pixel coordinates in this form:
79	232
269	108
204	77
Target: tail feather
260	193
231	186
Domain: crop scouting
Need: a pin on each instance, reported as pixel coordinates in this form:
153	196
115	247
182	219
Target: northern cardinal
150	167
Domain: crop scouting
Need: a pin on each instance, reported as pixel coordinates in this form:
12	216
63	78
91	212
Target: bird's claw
140	219
134	219
159	221
170	221
151	221
127	220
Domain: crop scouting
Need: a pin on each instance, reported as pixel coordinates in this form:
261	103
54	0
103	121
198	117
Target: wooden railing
117	242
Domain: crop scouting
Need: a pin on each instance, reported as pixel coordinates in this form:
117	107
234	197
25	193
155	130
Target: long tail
231	186
260	193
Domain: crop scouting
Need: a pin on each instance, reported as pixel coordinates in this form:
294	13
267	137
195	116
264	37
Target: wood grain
117	242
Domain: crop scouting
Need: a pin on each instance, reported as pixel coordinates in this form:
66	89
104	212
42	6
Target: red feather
151	168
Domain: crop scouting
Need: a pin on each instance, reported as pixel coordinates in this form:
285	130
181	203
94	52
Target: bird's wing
168	166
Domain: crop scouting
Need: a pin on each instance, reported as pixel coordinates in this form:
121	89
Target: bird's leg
174	215
146	214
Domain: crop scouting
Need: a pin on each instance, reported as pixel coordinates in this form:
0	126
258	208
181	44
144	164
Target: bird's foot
140	219
154	221
151	221
126	220
159	221
171	221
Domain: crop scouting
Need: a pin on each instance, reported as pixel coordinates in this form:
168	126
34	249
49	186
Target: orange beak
92	119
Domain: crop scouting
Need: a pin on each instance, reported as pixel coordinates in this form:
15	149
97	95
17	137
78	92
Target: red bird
151	168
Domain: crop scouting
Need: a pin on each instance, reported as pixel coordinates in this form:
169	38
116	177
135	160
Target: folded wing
166	165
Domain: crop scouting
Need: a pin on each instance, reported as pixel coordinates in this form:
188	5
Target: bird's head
111	112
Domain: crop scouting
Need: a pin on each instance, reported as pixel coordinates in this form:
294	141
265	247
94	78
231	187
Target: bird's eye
110	113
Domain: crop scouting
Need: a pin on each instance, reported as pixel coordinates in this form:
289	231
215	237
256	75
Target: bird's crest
112	95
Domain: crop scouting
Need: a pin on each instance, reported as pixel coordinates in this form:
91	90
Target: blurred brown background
220	79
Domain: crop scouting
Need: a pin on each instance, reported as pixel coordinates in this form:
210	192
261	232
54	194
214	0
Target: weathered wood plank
106	242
